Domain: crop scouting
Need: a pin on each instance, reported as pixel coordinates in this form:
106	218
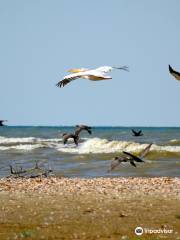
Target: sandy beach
99	208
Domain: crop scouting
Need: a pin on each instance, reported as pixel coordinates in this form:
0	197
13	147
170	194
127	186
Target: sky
41	39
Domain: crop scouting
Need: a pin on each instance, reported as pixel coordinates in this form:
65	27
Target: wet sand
99	208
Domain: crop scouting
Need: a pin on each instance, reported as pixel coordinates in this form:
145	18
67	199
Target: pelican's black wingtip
170	69
59	85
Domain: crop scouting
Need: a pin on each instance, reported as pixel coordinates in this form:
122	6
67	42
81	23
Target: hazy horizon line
118	126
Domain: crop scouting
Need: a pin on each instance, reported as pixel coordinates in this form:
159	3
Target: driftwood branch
34	172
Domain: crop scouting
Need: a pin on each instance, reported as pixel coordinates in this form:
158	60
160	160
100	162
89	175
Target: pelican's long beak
125	68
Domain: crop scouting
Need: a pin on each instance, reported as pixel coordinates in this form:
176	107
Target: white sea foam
11	140
6	140
27	143
175	142
23	147
97	145
88	146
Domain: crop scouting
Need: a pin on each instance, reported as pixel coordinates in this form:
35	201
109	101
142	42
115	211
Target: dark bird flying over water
174	73
137	134
80	128
1	122
67	136
128	157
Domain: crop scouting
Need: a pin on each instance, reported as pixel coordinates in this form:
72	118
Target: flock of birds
99	74
128	157
116	161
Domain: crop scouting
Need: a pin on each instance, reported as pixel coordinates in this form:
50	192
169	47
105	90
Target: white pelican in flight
91	74
174	73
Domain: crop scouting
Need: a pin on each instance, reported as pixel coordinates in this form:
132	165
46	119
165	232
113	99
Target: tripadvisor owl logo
139	231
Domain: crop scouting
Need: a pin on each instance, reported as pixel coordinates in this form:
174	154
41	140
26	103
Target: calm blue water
23	146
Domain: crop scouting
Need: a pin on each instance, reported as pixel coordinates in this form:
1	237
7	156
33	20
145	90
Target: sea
24	146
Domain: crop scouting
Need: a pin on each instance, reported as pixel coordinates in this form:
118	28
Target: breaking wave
27	144
174	142
97	146
87	146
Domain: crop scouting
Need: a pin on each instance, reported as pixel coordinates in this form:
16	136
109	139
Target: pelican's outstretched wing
174	73
82	127
89	131
68	78
134	131
145	151
135	158
137	133
132	163
114	164
91	75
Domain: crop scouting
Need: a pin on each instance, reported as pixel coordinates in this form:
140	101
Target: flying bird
67	136
97	74
174	73
128	157
1	122
137	134
80	128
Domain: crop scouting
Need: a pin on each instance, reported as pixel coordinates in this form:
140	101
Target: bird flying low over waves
174	73
97	74
137	133
128	157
